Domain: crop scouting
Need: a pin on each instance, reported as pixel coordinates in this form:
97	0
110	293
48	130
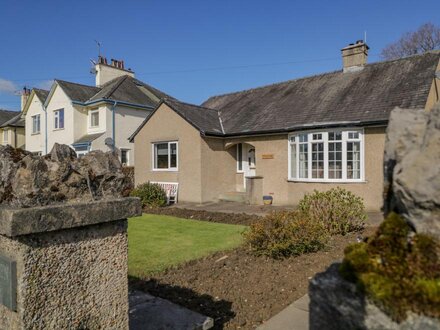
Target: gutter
110	102
299	128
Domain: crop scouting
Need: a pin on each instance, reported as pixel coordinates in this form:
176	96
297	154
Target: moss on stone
397	269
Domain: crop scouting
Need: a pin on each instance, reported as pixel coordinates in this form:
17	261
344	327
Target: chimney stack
354	56
24	96
105	72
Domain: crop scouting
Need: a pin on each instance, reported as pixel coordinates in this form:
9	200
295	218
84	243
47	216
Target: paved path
293	317
152	313
374	218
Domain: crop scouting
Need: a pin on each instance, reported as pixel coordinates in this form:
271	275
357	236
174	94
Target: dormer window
94	118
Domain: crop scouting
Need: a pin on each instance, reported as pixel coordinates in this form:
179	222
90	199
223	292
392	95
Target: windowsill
38	133
164	170
58	129
327	181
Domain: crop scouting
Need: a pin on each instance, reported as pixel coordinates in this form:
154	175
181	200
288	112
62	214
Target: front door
246	161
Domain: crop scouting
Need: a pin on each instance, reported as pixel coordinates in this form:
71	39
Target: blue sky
193	49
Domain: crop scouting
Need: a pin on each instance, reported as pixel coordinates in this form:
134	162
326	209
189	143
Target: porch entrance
246	161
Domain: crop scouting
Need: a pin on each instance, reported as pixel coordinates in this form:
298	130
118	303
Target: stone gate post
65	266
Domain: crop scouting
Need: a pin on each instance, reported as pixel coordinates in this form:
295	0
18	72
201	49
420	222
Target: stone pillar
65	266
254	190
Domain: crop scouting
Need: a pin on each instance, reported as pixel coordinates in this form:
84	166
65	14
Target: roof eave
134	105
383	122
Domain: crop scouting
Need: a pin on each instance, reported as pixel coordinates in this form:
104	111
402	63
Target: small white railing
171	190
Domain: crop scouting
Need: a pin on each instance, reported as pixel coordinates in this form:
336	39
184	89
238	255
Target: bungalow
286	139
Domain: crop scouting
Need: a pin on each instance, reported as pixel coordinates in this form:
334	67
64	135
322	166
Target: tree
426	38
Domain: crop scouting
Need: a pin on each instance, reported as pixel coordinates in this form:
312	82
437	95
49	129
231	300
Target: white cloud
7	87
45	84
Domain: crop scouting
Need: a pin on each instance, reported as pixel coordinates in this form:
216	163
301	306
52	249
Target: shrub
397	269
284	234
339	210
151	194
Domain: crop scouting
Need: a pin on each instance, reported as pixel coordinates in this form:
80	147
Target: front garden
241	275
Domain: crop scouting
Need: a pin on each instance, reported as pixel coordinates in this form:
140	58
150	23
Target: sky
193	49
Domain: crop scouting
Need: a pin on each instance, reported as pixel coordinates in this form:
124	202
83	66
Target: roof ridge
5	110
74	83
318	75
115	87
191	104
40	89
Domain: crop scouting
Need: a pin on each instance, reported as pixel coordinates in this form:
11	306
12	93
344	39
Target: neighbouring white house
100	117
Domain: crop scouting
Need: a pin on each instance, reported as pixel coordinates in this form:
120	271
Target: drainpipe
45	128
114	126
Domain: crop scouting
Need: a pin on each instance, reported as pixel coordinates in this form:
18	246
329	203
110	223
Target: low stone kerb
24	221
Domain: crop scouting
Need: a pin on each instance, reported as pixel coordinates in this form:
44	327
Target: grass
157	242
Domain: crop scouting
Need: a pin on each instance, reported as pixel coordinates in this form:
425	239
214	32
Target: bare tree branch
426	38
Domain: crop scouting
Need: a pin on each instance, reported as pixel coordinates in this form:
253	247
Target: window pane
335	160
61	119
161	156
124	158
303	138
173	160
303	161
318	160
94	119
240	156
353	160
293	160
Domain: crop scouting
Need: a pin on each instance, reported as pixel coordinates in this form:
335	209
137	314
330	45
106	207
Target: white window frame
91	113
56	119
153	158
5	136
36	119
326	141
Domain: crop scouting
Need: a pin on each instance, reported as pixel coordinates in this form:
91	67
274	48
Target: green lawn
156	242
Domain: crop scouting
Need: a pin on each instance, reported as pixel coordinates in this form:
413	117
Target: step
233	196
151	313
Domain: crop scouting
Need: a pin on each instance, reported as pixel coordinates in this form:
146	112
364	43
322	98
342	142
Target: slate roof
77	92
362	97
130	90
16	121
6	115
41	94
206	120
123	89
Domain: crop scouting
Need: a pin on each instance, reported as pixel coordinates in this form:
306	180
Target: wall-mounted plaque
267	156
8	283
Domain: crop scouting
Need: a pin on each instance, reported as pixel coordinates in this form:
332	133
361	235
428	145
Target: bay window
327	156
165	156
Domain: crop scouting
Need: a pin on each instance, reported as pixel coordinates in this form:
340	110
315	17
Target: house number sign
8	283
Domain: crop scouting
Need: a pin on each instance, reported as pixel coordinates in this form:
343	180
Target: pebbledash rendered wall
71	265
